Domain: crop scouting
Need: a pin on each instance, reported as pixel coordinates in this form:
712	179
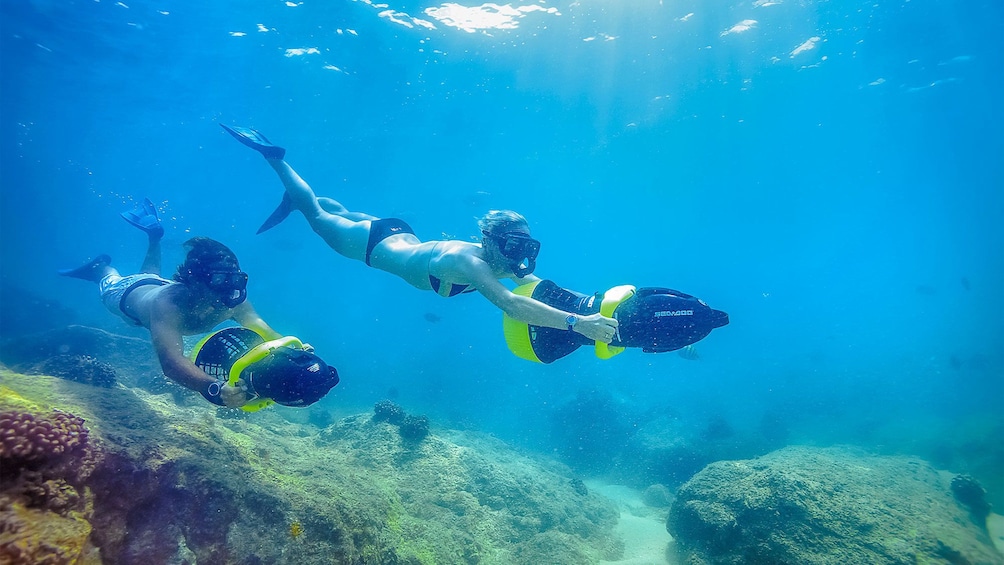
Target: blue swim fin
92	271
144	217
256	141
278	215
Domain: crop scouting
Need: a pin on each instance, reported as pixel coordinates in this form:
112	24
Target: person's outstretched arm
525	309
165	321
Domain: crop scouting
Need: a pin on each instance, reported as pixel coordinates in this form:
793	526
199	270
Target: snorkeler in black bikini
447	267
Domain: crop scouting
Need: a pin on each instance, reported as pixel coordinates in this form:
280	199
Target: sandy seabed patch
641	527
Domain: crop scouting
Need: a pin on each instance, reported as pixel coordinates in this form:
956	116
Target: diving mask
230	285
519	249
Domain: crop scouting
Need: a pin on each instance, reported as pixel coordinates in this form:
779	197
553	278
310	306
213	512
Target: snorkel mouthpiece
520	271
235	298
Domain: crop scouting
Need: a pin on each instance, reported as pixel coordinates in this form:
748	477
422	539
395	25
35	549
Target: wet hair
502	221
204	255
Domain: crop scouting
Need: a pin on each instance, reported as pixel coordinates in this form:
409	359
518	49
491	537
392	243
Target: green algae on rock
176	483
809	505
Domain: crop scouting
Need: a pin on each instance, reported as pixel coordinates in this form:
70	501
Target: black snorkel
523	267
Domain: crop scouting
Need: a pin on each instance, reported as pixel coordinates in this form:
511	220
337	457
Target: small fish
689	353
295	530
431	318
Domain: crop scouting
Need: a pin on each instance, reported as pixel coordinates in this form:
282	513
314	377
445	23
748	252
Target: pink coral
30	438
44	459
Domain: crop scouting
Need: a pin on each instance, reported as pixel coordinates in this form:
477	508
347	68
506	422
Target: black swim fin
144	217
256	141
278	215
92	271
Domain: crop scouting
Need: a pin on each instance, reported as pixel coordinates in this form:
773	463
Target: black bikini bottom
382	229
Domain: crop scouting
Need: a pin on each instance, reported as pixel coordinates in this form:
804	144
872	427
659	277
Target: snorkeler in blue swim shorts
447	267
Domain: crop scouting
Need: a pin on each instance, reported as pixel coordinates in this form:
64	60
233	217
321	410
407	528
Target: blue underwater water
831	174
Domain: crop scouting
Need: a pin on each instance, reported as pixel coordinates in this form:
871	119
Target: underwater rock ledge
803	505
168	483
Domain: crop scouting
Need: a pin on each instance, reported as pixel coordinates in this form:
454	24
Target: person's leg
344	231
332	206
303	198
93	271
151	262
144	217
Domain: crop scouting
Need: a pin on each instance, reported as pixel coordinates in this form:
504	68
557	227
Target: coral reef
971	494
45	460
387	411
133	358
30	440
199	488
33	537
806	505
78	368
414	428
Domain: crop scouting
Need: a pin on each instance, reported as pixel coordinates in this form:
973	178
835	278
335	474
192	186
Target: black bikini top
454	290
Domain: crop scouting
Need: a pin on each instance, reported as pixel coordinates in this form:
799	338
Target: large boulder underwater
807	505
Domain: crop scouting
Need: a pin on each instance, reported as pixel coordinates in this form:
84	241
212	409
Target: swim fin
144	217
92	271
278	215
256	141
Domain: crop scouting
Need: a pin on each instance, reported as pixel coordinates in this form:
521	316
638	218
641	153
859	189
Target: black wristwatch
571	320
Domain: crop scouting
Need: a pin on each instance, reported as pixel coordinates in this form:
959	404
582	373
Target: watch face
571	319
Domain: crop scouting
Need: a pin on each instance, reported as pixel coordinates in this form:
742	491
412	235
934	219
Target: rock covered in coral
133	358
814	506
175	485
411	428
44	460
44	507
971	494
28	438
414	428
78	368
388	411
33	537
